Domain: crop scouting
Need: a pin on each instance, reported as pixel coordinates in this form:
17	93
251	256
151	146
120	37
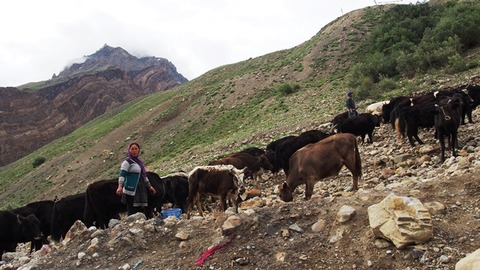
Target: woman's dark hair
134	143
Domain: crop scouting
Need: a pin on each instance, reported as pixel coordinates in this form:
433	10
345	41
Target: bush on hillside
366	89
38	161
413	39
456	63
287	89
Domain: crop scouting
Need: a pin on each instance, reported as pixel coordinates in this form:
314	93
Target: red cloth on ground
212	250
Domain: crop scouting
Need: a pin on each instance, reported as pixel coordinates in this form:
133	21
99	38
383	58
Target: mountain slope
38	113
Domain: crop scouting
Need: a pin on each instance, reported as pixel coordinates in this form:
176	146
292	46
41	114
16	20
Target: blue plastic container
171	212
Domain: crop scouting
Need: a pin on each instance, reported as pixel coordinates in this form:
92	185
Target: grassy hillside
249	103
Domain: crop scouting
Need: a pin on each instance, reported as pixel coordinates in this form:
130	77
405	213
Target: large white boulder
470	262
401	220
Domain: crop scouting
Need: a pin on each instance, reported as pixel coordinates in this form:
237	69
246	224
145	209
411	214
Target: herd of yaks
305	159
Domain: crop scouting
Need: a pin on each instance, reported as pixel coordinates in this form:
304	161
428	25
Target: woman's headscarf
137	159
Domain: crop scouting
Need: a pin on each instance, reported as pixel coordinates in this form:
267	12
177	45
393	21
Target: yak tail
400	127
358	161
55	232
88	211
193	190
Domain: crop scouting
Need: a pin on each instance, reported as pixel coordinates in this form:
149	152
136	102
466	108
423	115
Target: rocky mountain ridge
109	57
36	114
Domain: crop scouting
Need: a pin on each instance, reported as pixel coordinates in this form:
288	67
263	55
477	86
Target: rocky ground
271	234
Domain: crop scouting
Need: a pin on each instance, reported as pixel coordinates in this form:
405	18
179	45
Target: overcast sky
40	38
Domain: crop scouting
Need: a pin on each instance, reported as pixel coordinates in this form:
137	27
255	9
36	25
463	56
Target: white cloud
40	38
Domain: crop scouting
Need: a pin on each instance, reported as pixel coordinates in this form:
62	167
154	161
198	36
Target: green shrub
406	64
414	39
287	89
387	84
456	63
298	67
473	64
366	88
38	161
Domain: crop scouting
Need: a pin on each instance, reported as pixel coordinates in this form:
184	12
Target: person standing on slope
351	109
133	181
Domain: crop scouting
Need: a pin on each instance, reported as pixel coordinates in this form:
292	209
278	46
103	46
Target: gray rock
295	227
345	213
444	259
135	217
402	158
113	222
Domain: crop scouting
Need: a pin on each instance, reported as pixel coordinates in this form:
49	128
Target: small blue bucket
171	212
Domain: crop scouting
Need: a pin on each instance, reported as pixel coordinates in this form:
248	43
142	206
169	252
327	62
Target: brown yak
321	160
223	181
